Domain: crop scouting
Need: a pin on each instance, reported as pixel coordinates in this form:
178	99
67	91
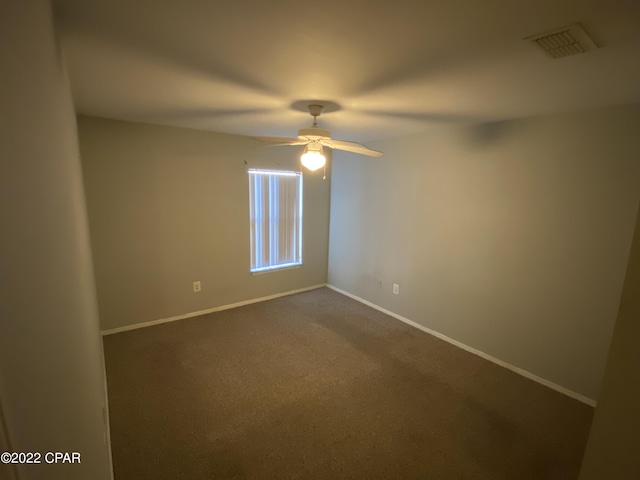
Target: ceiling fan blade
350	147
282	140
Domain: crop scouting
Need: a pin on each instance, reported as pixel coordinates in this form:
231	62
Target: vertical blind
275	203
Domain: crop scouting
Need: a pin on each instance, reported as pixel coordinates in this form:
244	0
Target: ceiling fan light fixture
313	157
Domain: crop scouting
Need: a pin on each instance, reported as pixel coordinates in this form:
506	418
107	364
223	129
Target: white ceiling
393	67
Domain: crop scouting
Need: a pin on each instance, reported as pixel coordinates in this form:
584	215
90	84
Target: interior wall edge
554	386
8	471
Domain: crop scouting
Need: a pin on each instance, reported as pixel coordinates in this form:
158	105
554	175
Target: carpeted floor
319	386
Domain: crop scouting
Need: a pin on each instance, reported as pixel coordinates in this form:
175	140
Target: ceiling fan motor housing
315	110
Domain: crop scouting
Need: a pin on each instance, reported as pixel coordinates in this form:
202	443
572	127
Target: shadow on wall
488	134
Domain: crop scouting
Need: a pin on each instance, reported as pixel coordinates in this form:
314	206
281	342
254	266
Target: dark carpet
319	386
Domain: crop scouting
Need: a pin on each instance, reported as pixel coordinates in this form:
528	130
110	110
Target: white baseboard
209	310
469	349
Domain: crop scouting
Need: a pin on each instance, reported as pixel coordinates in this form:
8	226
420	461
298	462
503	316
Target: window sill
275	269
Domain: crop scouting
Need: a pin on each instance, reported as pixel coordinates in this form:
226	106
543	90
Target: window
275	204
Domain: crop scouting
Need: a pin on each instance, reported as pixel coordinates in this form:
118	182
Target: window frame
300	217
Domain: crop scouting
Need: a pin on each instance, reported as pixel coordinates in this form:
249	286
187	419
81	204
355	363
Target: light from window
275	204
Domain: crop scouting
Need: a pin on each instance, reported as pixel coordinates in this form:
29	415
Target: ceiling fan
315	138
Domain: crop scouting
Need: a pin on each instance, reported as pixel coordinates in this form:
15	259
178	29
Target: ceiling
390	67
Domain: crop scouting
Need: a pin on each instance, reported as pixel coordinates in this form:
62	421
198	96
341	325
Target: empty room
365	240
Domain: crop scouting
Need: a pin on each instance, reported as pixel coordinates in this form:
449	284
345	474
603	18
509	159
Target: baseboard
209	310
469	349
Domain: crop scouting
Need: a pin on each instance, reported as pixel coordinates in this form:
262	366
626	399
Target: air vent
564	41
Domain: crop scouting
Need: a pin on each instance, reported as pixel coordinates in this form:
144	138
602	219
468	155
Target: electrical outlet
396	289
379	283
197	286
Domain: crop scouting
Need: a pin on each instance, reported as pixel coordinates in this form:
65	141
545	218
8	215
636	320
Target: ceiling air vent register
565	41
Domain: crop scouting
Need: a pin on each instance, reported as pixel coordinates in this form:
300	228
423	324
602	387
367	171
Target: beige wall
168	206
51	370
511	238
612	451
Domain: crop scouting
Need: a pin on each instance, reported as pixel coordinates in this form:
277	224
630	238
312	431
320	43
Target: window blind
275	203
